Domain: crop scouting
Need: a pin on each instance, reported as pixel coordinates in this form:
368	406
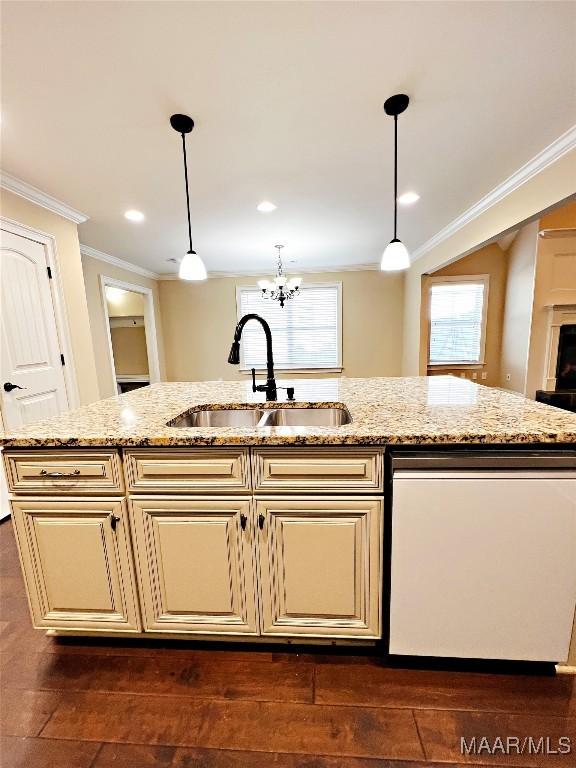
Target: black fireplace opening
566	370
564	396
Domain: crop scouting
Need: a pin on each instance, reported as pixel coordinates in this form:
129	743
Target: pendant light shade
395	256
191	267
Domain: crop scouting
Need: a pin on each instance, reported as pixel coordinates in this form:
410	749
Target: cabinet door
320	566
196	565
483	564
77	563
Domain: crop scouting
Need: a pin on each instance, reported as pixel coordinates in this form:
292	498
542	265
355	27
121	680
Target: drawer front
318	469
185	470
64	471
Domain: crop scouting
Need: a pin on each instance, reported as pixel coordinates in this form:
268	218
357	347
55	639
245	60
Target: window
458	320
306	332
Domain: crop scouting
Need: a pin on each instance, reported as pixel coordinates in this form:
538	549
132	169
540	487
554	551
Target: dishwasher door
483	559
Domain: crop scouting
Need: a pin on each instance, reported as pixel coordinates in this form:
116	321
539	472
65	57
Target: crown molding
35	195
86	250
549	155
269	273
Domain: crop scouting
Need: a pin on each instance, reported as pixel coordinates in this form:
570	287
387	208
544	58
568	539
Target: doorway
129	313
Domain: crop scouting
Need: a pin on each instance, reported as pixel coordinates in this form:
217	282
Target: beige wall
517	321
543	190
489	260
199	321
93	268
130	353
572	654
131	304
65	233
560	218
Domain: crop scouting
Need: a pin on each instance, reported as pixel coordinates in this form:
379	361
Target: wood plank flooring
132	704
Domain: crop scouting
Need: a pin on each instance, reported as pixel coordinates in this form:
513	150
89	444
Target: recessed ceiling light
133	215
266	207
408	198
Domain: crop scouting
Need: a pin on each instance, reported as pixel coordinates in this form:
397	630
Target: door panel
77	563
196	565
483	564
320	566
30	346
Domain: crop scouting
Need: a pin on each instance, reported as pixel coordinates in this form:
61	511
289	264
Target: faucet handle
290	393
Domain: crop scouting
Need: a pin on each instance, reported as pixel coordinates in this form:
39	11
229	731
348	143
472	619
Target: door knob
8	387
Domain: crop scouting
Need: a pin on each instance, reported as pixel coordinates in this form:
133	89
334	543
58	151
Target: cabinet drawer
318	469
64	471
185	470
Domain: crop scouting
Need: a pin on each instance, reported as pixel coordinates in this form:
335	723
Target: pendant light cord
187	193
395	173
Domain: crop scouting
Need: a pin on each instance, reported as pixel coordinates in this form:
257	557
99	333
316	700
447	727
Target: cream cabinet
184	470
196	564
77	563
320	566
222	542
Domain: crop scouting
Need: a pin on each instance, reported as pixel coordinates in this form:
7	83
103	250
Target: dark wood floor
107	704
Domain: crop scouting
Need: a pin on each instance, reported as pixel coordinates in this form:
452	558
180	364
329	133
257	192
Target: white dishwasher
483	555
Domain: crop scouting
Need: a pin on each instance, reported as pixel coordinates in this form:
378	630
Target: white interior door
30	367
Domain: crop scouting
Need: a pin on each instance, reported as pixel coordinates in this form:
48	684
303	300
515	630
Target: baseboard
565	669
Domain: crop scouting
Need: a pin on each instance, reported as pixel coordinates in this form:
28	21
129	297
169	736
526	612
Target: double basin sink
264	417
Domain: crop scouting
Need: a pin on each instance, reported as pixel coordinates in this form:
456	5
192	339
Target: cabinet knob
113	520
261	521
243	521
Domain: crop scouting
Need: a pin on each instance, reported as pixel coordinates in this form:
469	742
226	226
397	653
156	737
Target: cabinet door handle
113	520
59	474
243	521
261	521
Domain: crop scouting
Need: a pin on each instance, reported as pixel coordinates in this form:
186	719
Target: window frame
443	279
338	368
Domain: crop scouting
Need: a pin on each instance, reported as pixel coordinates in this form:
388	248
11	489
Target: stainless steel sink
263	417
306	417
208	417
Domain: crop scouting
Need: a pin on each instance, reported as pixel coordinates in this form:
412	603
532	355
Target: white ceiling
287	99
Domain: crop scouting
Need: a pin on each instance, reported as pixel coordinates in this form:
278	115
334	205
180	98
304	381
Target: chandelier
281	288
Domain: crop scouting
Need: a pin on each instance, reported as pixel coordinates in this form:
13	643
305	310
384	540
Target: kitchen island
439	521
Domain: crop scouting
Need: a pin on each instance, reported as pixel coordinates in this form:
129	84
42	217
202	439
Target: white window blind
305	332
457	320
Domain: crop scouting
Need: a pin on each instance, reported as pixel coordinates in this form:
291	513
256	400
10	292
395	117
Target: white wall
518	304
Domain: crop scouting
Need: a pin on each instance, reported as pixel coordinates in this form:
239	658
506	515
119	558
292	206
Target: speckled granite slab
439	409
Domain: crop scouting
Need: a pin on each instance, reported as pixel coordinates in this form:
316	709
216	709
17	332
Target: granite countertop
438	409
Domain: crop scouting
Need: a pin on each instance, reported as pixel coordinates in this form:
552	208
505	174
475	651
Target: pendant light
282	288
191	267
395	256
